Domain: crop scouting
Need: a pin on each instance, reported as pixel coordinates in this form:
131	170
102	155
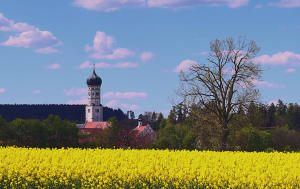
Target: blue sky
47	48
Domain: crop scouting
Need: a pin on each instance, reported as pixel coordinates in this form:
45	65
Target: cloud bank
87	64
280	58
28	37
102	48
125	95
146	56
54	66
113	5
286	3
184	65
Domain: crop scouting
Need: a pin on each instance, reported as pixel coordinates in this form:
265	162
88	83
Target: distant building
94	124
94	109
144	130
142	135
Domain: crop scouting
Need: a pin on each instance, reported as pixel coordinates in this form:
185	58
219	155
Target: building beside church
94	115
144	130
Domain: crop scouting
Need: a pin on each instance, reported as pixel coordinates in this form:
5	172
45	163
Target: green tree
225	82
113	132
5	131
252	139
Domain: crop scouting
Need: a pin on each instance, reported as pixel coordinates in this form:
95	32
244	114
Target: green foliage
5	131
178	136
52	132
284	139
252	139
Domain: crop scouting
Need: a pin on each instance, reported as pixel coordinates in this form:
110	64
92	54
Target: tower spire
94	68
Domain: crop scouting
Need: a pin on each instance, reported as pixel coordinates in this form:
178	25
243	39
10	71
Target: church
94	112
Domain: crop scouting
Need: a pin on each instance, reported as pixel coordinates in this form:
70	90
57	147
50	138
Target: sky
48	48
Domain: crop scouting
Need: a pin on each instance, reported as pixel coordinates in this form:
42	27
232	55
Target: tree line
74	113
52	132
259	127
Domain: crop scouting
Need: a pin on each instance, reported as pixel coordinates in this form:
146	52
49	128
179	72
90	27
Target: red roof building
90	127
143	131
139	136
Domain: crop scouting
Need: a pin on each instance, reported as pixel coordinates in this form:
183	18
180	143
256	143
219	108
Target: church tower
94	109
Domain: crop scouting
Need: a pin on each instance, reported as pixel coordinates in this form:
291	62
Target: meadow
117	168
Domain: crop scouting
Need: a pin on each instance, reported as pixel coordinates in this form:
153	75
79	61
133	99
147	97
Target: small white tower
140	122
94	109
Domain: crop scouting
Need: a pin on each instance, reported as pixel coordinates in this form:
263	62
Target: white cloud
229	71
280	58
190	3
125	95
29	37
112	5
87	64
10	25
102	48
32	39
268	84
37	91
47	50
107	5
125	65
81	93
115	104
80	101
76	92
53	66
290	70
184	65
2	90
286	3
203	53
275	102
146	56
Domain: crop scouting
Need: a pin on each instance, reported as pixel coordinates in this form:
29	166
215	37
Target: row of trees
71	112
197	129
51	132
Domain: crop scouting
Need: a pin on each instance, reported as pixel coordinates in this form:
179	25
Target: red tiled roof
95	125
139	129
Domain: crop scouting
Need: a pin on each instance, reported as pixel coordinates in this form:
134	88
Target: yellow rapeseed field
109	168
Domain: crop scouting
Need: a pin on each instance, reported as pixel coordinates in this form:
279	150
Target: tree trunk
224	139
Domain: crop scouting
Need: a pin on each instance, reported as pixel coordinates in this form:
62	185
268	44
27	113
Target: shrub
252	139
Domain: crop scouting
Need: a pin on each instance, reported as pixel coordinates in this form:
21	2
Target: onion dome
94	79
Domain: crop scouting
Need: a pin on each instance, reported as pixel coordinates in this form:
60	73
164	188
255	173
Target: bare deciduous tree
226	82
